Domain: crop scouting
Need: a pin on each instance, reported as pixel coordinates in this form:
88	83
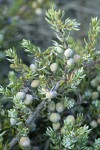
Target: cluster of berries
36	5
56	109
68	53
95	83
26	98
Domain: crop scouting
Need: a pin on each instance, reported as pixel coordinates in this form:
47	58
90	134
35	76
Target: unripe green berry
51	106
54	67
60	107
95	95
60	50
34	5
98	78
12	121
70	120
94	83
68	52
33	67
62	130
35	83
98	88
93	124
20	95
28	99
54	117
25	143
72	100
76	58
51	94
40	1
38	11
2	112
70	62
56	125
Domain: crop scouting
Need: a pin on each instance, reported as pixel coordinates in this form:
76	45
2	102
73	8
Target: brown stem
13	142
36	113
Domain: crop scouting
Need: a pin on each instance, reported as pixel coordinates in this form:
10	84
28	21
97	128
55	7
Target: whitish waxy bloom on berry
24	142
68	52
60	50
35	83
51	106
20	95
38	11
54	67
56	125
77	58
70	62
51	94
12	121
94	83
95	95
70	120
28	99
60	107
93	124
33	67
54	117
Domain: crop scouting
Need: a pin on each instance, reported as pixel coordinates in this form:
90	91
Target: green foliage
16	62
75	138
61	28
76	78
72	138
55	19
97	144
68	102
30	90
54	137
93	32
30	48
